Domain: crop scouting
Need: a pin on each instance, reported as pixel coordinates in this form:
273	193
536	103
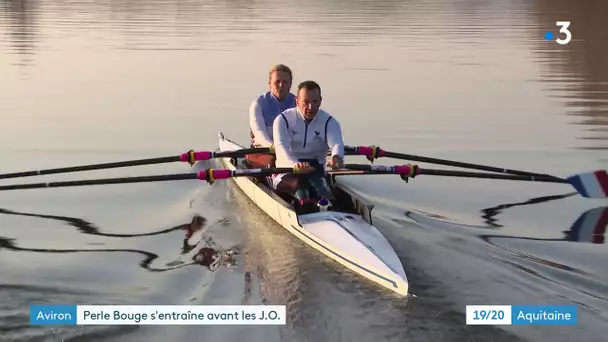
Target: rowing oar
373	152
209	175
590	184
189	157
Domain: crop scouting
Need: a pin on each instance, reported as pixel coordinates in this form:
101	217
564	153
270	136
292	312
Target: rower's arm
334	138
258	125
280	134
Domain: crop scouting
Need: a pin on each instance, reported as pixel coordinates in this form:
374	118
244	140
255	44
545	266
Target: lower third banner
157	314
521	314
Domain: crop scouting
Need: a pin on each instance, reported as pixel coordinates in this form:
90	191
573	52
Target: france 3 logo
564	25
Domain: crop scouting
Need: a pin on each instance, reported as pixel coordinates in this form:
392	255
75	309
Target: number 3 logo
564	29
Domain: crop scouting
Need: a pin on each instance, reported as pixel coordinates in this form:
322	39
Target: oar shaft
446	162
189	156
414	170
123	180
209	175
242	152
128	163
590	185
374	152
466	174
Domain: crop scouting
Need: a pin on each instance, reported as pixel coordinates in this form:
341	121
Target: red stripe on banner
600	227
602	179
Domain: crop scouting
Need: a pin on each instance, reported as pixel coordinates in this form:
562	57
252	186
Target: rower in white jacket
302	137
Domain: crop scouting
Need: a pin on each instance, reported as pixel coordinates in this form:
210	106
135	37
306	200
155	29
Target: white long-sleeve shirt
295	139
258	127
262	113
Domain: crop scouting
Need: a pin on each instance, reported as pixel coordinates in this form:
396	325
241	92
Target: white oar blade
592	184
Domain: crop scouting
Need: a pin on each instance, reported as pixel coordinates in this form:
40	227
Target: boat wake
488	215
564	268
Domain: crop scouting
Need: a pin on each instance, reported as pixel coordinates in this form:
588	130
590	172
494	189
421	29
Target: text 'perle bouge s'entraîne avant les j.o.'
157	314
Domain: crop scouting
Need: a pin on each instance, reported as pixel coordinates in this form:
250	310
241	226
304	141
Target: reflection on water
445	41
589	227
489	214
577	73
19	20
209	255
86	227
548	260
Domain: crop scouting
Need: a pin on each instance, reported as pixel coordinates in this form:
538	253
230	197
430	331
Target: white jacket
296	139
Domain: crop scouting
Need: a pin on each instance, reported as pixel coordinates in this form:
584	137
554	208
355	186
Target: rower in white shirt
264	110
302	137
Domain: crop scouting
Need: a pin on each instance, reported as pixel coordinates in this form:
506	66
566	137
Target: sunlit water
98	81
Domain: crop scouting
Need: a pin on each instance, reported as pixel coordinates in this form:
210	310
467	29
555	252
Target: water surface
97	81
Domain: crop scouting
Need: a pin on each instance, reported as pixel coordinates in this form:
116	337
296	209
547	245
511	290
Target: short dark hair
309	85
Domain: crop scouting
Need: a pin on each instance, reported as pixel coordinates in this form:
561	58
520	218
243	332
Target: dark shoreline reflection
20	21
577	72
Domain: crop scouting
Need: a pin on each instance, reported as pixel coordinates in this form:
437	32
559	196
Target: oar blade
591	184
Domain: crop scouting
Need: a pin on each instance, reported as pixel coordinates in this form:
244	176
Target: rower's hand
336	163
304	167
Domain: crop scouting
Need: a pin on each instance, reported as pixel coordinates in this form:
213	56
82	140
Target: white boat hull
344	237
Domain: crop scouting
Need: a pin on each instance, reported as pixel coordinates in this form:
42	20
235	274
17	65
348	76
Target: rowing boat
347	237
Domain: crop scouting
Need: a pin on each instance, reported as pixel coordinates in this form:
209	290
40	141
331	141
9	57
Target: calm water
96	81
